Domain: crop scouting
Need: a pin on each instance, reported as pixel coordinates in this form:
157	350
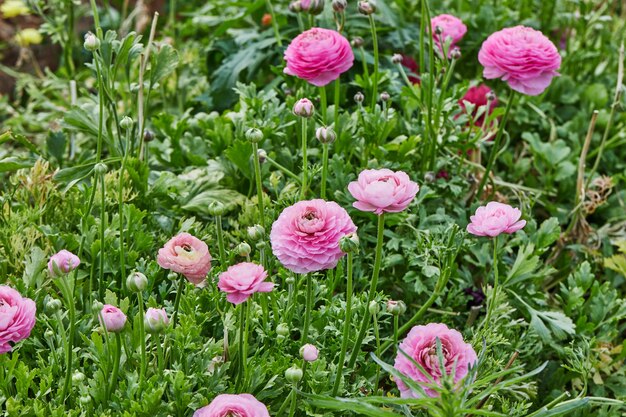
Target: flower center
309	221
186	247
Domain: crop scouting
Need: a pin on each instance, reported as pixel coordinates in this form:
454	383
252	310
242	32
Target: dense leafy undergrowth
130	143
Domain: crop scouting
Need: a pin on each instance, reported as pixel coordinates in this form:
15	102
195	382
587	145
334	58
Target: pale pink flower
495	218
452	30
318	56
240	281
305	237
156	320
112	318
421	345
383	191
65	261
186	255
309	352
17	317
523	57
226	405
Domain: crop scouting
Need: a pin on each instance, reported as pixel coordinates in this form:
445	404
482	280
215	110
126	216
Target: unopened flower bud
309	352
48	334
96	306
136	282
85	399
282	329
396	308
256	232
100	168
430	176
396	59
384	96
254	135
438	30
325	135
217	208
156	320
293	374
359	97
261	245
290	280
92	43
357	42
53	306
148	136
295	6
339	5
313	7
262	156
304	108
455	53
366	7
491	96
78	377
243	249
126	123
349	243
373	308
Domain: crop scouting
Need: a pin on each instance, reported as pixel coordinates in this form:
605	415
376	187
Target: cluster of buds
312	7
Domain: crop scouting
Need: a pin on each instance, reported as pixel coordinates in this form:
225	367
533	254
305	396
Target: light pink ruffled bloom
186	255
421	345
305	237
65	262
112	318
523	57
383	191
225	405
453	29
318	56
240	281
495	218
17	317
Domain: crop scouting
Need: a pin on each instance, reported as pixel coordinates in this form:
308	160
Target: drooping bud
325	135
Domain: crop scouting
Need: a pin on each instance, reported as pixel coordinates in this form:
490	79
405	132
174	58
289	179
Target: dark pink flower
17	317
523	57
305	237
412	67
421	346
242	280
318	56
452	30
477	95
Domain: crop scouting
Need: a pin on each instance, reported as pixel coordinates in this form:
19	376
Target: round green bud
136	282
254	135
293	374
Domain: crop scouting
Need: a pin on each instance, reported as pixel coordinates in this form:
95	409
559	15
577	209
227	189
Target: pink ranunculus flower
156	320
225	405
112	318
309	352
318	56
523	57
305	237
65	261
477	95
240	281
421	345
17	317
186	255
495	218
383	191
452	30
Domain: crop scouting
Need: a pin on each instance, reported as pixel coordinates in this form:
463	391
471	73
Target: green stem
496	146
274	23
259	182
323	104
160	364
242	359
101	282
366	71
116	364
442	95
308	308
377	337
324	169
375	81
492	301
142	338
292	409
395	329
346	326
120	198
372	293
305	164
220	239
181	286
69	346
336	108
282	168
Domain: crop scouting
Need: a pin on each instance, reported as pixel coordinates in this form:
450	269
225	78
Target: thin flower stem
242	325
377	337
395	329
120	199
101	282
366	71
442	95
308	308
159	364
492	300
324	170
270	8
181	287
292	409
375	44
220	239
69	345
372	293
336	108
282	168
323	105
259	182
116	364
142	338
346	325
496	146
305	164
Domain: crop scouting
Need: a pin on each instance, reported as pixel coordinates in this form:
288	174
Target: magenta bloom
452	30
186	255
65	262
112	318
318	56
309	352
242	280
17	317
413	69
421	345
305	237
521	56
477	95
225	405
156	320
495	218
383	191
